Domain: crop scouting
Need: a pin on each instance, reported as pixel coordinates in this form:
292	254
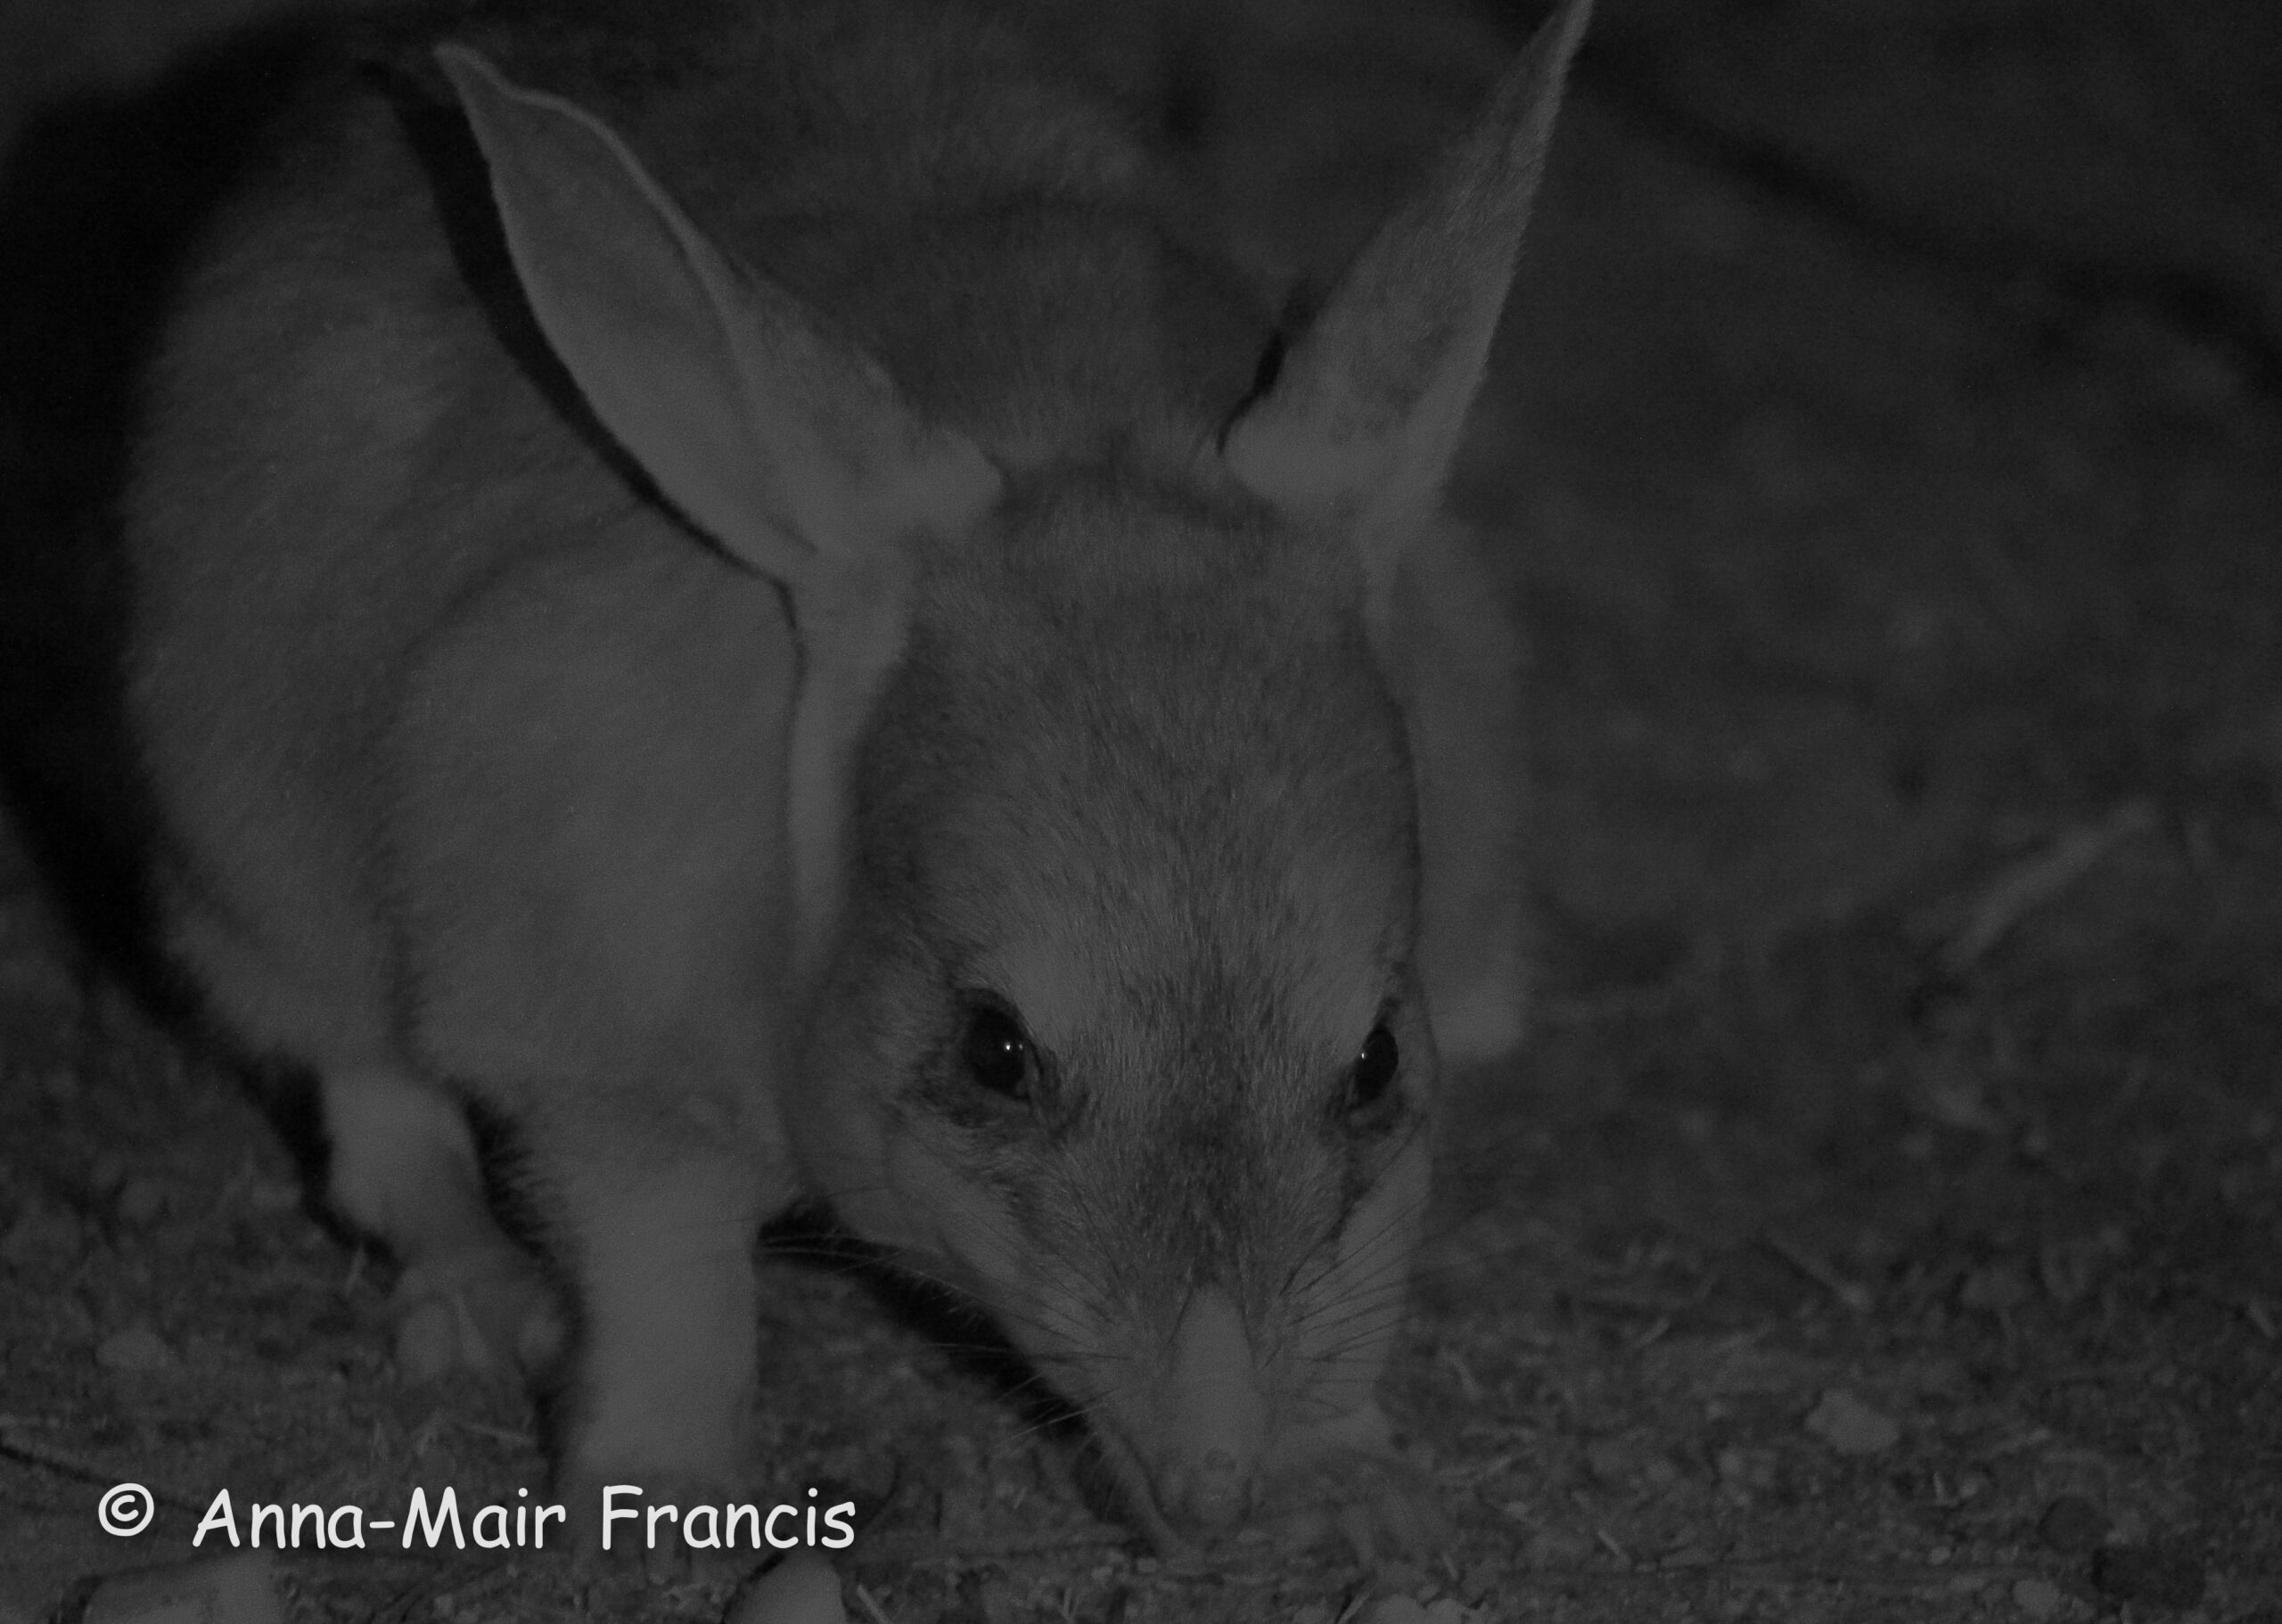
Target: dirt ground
1887	441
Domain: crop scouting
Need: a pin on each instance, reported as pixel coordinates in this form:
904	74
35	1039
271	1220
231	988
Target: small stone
2040	1598
802	1589
1398	1579
2072	1524
141	1203
42	1234
229	1590
1944	1374
1611	1460
2070	1269
1300	1530
1393	1610
993	1599
273	1196
1998	1289
137	1348
1554	1547
2159	1575
1850	1426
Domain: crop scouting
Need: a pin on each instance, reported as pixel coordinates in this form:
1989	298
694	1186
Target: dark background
1886	442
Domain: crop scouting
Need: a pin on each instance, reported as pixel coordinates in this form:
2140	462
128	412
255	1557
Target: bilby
740	588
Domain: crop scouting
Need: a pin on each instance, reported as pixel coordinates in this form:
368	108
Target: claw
488	1311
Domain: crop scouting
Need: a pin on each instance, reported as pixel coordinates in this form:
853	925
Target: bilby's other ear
1366	410
780	439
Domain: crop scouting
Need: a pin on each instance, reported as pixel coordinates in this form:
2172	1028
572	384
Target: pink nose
1219	1418
1213	1492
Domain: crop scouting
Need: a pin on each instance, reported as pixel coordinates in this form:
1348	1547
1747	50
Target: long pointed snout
1219	1418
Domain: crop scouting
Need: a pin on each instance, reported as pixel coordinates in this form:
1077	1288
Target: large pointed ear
778	438
1366	410
782	441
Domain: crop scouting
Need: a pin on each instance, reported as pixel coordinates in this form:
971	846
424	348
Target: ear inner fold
773	436
1368	406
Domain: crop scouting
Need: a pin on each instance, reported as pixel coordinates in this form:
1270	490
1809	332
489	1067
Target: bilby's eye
1373	1071
995	1053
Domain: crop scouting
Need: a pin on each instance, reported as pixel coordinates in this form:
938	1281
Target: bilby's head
1101	820
1125	1035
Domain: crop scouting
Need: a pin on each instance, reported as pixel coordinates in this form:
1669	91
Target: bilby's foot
488	1309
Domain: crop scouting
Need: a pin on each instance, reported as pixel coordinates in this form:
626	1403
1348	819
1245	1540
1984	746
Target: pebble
983	1598
802	1589
273	1196
224	1590
42	1235
137	1348
1402	1610
2072	1525
1398	1579
141	1203
2161	1576
1996	1289
1850	1426
1554	1547
1612	1460
1746	1470
2040	1598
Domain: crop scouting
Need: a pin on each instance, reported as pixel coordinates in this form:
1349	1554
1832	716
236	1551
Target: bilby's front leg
659	1236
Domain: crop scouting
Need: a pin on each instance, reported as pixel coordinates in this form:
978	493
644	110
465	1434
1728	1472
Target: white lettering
499	1515
253	1529
219	1515
610	1513
841	1514
417	1518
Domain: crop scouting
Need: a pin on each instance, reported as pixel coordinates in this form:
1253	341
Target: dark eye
995	1053
1374	1071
